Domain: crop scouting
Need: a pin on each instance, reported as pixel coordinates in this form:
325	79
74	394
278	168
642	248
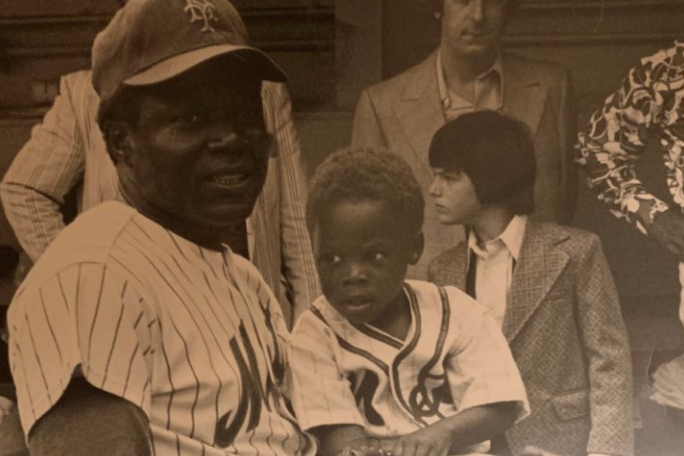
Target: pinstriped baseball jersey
190	335
454	357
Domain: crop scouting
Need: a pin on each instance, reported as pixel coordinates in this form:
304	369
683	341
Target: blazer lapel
539	266
418	110
523	94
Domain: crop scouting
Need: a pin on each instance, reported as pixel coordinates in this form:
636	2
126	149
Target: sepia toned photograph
341	227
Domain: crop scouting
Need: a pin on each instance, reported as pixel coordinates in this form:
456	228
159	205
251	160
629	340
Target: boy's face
362	252
455	198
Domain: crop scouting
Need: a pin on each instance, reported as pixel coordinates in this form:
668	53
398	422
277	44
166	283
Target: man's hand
668	230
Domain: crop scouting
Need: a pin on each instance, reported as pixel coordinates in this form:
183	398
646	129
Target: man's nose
477	11
223	135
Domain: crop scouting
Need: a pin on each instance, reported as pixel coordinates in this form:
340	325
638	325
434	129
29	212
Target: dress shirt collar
496	70
511	238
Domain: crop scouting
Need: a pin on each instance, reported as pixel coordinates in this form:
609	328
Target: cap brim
262	65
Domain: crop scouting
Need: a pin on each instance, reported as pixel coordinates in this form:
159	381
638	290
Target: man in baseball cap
139	331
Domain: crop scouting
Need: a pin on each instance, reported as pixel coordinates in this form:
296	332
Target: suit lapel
418	110
524	97
539	266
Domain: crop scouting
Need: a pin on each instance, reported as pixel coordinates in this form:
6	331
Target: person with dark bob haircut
502	178
548	286
453	382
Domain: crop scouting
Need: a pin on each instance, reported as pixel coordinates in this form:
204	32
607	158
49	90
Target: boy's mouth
357	303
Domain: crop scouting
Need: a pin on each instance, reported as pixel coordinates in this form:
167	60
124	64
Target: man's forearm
87	421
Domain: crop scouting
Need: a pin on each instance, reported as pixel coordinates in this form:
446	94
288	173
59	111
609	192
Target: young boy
548	286
379	361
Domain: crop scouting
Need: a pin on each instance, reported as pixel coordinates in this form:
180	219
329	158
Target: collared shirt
494	266
488	91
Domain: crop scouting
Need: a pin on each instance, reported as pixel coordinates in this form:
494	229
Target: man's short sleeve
480	368
86	320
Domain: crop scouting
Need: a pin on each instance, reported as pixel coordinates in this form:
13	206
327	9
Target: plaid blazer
567	335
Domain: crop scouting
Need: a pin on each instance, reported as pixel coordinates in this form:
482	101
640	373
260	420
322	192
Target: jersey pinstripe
454	357
192	336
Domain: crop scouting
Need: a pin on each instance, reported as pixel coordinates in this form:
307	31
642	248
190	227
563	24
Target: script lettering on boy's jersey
253	397
425	402
364	396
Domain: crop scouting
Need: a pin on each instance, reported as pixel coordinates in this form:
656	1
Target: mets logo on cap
202	10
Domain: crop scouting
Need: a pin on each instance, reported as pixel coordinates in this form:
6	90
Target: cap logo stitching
202	10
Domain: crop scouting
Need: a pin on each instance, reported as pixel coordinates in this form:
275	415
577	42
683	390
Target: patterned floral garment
649	104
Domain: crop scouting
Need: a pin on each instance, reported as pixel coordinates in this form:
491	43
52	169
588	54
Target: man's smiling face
199	151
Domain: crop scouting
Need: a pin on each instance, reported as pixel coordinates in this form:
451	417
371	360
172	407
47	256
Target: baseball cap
151	41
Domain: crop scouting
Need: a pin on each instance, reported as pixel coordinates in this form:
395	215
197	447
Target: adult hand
668	230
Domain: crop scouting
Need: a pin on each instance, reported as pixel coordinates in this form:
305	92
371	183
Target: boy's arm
602	332
455	433
87	421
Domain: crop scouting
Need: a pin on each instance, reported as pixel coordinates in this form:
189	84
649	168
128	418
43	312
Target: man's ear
117	135
417	246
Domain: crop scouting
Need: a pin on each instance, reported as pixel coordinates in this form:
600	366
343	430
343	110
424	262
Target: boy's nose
356	273
434	188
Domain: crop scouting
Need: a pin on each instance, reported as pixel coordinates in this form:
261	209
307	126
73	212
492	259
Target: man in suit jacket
549	286
469	72
67	150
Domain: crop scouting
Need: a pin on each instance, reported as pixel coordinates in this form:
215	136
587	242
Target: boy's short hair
362	174
495	151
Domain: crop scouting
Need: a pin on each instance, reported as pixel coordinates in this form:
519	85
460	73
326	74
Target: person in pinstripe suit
139	331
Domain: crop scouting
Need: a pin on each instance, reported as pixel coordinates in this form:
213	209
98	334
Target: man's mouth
475	36
230	180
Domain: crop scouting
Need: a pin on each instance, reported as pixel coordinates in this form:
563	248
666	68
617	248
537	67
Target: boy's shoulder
571	240
449	267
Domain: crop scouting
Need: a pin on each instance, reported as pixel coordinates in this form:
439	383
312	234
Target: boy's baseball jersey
190	335
454	357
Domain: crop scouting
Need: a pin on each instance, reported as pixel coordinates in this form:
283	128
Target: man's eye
331	259
191	118
378	257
